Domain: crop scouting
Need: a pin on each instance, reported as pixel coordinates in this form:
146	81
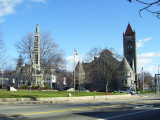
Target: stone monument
37	73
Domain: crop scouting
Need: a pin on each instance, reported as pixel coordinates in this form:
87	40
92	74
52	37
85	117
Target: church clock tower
130	49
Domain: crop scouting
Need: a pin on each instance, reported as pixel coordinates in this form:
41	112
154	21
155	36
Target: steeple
80	68
129	31
124	66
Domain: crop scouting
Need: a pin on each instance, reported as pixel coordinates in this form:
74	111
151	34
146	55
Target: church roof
129	31
80	68
124	66
106	52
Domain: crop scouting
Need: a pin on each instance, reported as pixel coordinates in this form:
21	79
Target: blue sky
82	24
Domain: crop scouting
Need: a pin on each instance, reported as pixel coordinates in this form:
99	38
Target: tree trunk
107	87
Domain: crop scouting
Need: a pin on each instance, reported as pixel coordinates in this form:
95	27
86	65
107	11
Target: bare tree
25	46
148	79
150	6
80	75
93	52
3	58
69	79
106	67
50	54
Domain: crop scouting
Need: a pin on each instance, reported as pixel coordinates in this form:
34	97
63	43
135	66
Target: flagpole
74	69
143	79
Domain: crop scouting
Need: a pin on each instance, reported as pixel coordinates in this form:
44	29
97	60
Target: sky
82	24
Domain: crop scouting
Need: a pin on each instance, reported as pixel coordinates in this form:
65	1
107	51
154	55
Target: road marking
59	111
76	109
129	114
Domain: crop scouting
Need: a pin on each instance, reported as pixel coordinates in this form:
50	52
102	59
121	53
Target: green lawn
26	94
147	92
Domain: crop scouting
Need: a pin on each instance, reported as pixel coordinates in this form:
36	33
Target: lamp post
2	78
143	77
143	81
158	80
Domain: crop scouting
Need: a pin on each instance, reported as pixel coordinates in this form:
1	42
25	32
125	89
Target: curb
7	101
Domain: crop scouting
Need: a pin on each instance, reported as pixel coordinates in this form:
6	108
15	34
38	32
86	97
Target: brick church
123	74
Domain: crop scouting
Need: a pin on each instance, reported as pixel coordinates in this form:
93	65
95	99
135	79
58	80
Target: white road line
129	114
145	96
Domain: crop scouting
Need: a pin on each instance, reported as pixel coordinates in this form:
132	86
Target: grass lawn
26	94
147	92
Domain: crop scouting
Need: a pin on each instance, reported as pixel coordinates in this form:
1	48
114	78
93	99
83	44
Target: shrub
38	86
33	87
46	86
24	86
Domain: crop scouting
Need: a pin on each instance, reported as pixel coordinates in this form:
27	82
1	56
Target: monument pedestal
37	79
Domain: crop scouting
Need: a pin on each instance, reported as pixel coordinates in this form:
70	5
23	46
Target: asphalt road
146	108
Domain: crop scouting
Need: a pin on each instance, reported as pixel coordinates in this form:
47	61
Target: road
146	108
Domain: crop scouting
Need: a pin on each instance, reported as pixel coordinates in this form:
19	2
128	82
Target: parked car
83	89
126	91
92	90
112	91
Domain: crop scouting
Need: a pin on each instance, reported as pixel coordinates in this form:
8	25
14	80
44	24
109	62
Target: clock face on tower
129	47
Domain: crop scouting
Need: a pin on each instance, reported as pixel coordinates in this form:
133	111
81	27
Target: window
36	59
122	81
125	81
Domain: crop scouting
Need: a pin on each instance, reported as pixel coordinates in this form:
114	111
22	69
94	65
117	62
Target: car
83	89
92	90
128	91
112	91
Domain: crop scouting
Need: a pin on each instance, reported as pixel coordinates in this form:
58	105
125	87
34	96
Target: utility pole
75	53
74	72
158	80
2	78
143	81
143	77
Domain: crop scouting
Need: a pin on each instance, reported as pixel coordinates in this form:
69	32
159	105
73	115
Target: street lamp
2	78
158	79
143	77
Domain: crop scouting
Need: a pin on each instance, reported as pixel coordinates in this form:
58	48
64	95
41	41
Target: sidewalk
8	101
